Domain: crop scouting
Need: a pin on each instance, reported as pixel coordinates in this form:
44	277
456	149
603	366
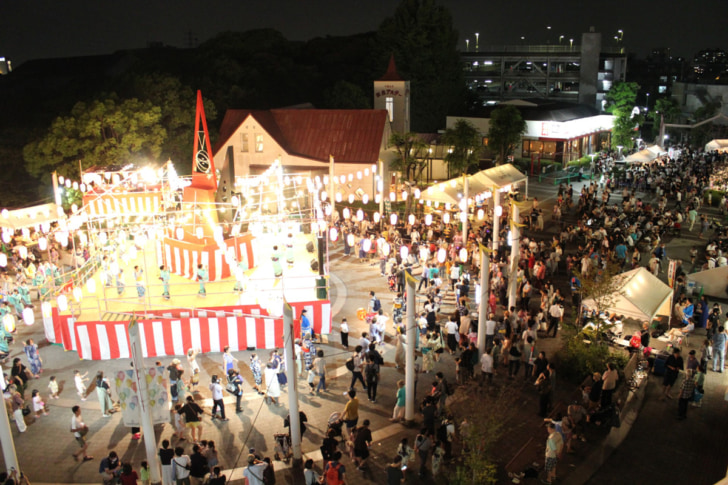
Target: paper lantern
333	234
446	218
509	238
441	255
498	210
350	239
42	244
423	253
23	252
360	215
393	219
61	179
417	193
481	214
377	217
342	179
180	233
25	232
3	260
82	187
365	199
62	303
77	294
338	197
67	183
7	237
358	175
367	244
351	198
347	213
404	252
82	238
463	254
428	219
45	227
5	213
377	198
199	232
327	210
351	177
217	234
323	195
366	172
392	196
374	168
103	238
91	286
411	219
404	195
74	208
9	323
46	309
28	316
385	249
463	216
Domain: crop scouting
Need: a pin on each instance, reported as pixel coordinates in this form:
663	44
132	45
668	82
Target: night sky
31	29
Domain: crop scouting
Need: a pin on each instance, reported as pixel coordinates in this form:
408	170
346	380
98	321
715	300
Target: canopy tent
496	178
719	145
30	216
641	296
713	281
646	155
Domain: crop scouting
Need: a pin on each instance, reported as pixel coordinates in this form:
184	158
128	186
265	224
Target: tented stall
717	145
30	216
646	155
496	178
713	281
641	296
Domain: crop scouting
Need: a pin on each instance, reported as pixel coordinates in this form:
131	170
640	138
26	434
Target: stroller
282	447
335	423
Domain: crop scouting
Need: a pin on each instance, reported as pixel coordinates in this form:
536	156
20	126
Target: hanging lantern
3	260
9	323
180	233
91	286
350	239
333	234
23	252
446	218
377	217
367	245
411	219
498	210
103	238
392	196
5	213
327	210
417	193
509	238
481	214
441	255
437	204
351	177
42	244
7	237
351	198
347	213
377	198
423	253
199	232
393	219
217	234
385	249
463	216
77	294
360	215
82	187
75	185
25	232
365	199
323	195
68	183
46	309
62	303
463	255
82	238
45	227
338	197
366	172
61	180
342	179
404	195
374	168
428	219
404	252
358	175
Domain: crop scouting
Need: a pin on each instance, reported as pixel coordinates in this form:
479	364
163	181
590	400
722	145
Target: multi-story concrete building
580	73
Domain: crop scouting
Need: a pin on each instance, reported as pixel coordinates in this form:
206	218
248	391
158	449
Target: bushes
577	359
714	195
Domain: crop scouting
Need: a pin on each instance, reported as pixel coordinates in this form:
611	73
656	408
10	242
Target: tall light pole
293	421
515	255
477	47
484	295
467	45
561	37
571	43
411	332
648	101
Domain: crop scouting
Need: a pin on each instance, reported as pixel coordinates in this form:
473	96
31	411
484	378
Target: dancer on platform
276	259
202	277
240	278
164	276
289	250
139	281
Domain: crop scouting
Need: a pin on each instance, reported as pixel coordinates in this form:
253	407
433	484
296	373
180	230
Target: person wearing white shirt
489	331
486	367
451	328
181	465
254	471
217	397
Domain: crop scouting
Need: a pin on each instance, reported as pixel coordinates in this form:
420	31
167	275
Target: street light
467	45
619	153
477	35
648	101
561	37
571	43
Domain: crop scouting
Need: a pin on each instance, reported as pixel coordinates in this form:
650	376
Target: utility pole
332	187
412	334
515	254
484	294
294	422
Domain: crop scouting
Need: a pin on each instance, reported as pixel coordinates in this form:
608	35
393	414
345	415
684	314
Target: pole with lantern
484	294
497	213
515	254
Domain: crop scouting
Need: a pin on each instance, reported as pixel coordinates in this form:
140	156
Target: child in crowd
38	404
80	384
195	380
53	387
179	424
144	473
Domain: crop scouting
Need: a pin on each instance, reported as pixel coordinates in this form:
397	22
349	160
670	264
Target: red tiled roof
349	135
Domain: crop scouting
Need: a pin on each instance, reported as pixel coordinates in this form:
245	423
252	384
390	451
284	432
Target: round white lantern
393	219
441	255
463	255
404	252
62	303
28	316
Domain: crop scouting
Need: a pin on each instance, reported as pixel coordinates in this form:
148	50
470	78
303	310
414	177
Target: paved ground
643	456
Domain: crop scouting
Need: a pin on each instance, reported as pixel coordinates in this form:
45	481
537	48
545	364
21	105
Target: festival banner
126	389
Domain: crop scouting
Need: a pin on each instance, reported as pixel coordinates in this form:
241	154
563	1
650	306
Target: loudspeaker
309	246
314	265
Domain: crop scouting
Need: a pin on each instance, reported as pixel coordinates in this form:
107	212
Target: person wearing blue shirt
306	327
202	278
164	276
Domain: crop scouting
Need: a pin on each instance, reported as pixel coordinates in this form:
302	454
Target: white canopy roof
29	216
642	296
713	281
496	178
720	145
646	155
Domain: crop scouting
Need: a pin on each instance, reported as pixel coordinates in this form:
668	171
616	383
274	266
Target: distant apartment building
576	72
5	65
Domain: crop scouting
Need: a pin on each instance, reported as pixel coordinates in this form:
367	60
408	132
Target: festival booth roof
719	145
29	216
713	281
451	191
646	155
641	296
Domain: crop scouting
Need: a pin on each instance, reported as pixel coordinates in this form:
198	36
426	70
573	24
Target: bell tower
392	93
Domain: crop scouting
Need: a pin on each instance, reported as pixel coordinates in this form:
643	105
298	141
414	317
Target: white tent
713	281
500	177
719	145
30	216
646	155
641	296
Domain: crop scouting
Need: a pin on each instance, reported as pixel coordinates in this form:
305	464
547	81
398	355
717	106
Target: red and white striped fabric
182	257
212	329
122	203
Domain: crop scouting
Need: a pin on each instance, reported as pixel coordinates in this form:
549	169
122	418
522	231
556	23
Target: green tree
704	133
412	152
103	132
346	95
505	130
424	42
667	109
621	100
466	146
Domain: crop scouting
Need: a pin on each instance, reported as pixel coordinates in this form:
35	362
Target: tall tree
621	100
412	154
667	109
424	42
505	130
465	147
103	132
